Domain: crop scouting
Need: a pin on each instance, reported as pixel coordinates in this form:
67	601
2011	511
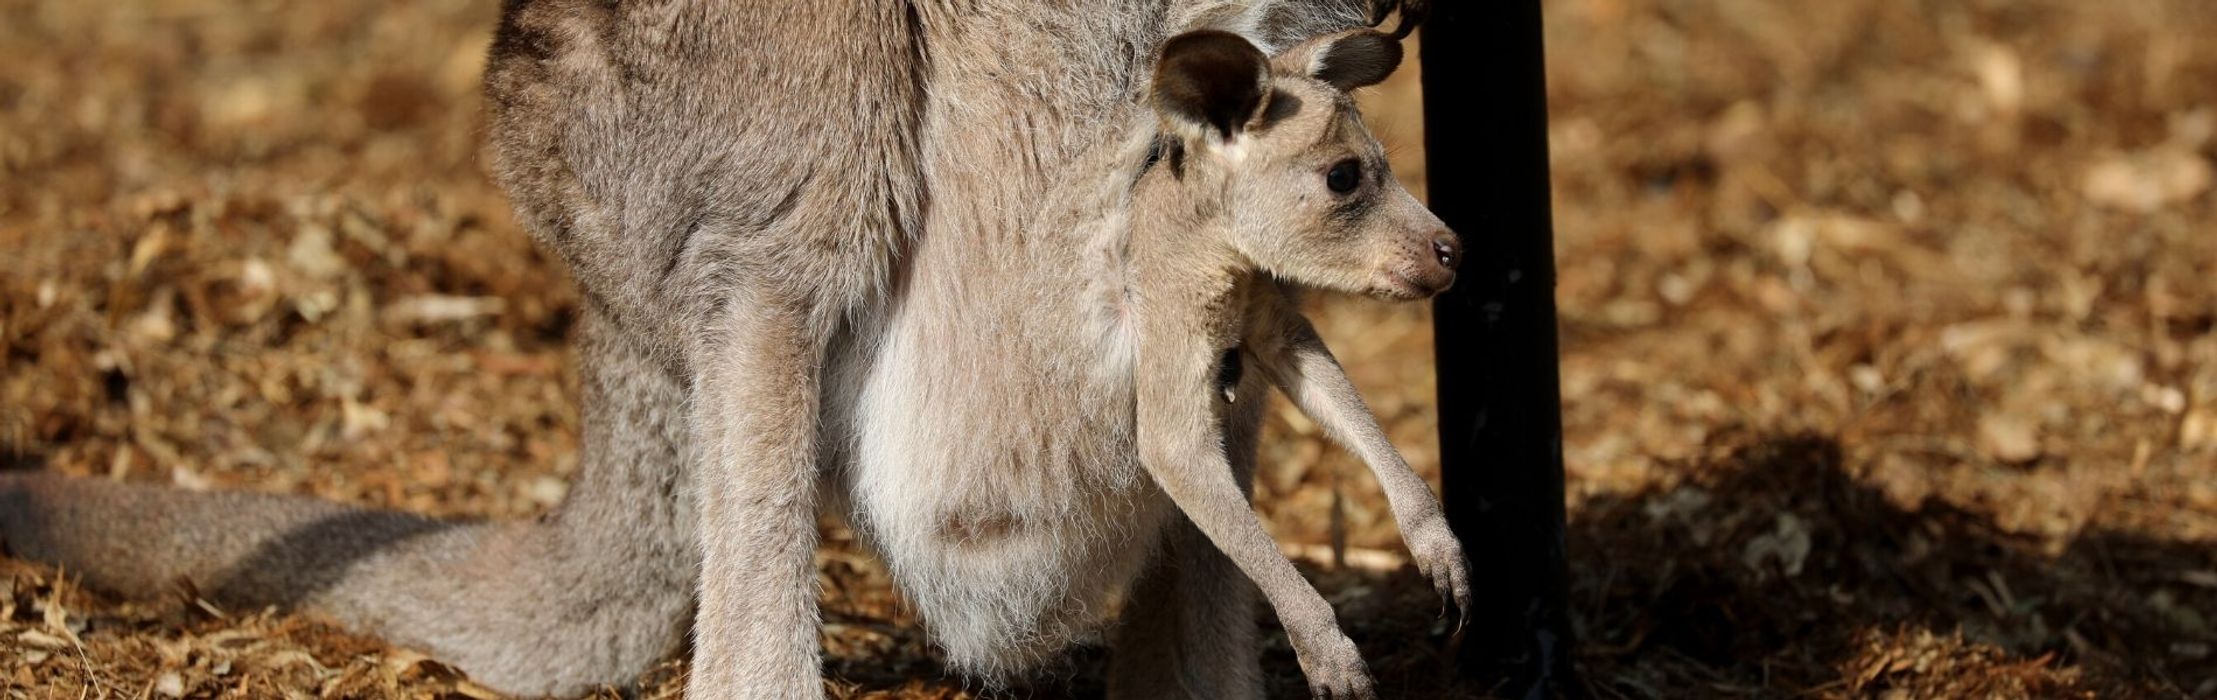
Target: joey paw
1439	556
1335	669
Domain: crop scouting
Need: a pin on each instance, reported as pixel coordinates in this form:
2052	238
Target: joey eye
1344	176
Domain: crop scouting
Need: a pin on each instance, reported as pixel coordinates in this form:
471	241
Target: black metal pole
1485	118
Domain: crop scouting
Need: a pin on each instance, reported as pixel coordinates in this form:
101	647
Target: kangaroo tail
236	548
521	607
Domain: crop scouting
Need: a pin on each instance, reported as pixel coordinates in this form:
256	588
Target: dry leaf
1787	545
2008	437
439	308
41	640
2147	182
169	684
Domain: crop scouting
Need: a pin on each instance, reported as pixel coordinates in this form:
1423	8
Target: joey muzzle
1427	264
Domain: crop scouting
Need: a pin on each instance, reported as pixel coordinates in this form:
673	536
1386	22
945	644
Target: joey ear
1413	13
1210	80
1346	60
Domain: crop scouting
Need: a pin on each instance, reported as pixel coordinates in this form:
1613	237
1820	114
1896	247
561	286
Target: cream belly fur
1011	544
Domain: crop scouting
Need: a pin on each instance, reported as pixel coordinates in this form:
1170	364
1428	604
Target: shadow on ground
1772	566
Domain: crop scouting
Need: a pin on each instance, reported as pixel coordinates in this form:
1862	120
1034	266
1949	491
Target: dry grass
1890	334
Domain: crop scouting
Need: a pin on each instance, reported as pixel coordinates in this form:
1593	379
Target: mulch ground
1889	333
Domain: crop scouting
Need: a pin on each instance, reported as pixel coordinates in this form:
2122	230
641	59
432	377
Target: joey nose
1437	273
1447	250
1427	265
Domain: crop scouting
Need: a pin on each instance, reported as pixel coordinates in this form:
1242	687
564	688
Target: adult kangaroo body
747	193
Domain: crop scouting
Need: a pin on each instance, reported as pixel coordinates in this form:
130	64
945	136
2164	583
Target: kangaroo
1273	181
771	210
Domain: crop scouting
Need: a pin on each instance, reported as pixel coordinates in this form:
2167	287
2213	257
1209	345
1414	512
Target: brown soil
1889	331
